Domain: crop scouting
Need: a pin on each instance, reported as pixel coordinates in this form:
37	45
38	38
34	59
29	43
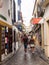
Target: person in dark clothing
25	40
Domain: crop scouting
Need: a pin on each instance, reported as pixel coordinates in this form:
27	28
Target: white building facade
5	11
6	28
46	31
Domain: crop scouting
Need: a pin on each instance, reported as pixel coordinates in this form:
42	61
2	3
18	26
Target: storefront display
3	40
6	40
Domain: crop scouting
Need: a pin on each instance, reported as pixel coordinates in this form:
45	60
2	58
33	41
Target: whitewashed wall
46	31
46	16
4	11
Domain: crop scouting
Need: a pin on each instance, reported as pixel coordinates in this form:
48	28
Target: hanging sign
1	3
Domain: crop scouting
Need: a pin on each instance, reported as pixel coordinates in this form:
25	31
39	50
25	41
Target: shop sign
1	3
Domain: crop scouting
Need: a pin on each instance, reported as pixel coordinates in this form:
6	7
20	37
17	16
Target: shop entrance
5	40
8	40
14	40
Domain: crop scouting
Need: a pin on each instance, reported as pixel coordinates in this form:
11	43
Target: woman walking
32	44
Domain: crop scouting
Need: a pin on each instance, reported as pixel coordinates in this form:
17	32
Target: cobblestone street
21	59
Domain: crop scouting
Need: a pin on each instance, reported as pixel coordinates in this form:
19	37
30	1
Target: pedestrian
29	37
32	44
25	40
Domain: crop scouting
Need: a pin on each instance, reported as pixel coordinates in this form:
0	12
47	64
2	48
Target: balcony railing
40	11
44	2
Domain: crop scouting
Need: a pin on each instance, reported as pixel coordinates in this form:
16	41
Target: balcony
40	14
40	11
45	3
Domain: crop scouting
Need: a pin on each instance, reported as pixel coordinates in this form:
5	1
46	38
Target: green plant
1	16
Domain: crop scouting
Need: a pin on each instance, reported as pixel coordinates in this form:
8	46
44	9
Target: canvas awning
41	21
35	20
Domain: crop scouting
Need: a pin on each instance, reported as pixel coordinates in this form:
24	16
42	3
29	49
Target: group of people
28	41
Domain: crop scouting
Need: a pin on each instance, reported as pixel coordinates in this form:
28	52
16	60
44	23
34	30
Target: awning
35	20
3	23
41	21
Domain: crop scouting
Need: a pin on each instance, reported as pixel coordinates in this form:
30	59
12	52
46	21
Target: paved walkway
21	59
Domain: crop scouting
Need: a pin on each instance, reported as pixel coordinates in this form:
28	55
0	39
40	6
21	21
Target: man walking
25	40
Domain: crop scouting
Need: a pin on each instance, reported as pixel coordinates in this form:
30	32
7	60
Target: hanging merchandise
5	51
6	29
2	39
6	40
6	46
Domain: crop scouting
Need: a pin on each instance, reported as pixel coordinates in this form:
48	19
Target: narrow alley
20	58
24	32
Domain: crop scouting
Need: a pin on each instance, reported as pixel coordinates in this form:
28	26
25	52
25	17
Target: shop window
2	40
